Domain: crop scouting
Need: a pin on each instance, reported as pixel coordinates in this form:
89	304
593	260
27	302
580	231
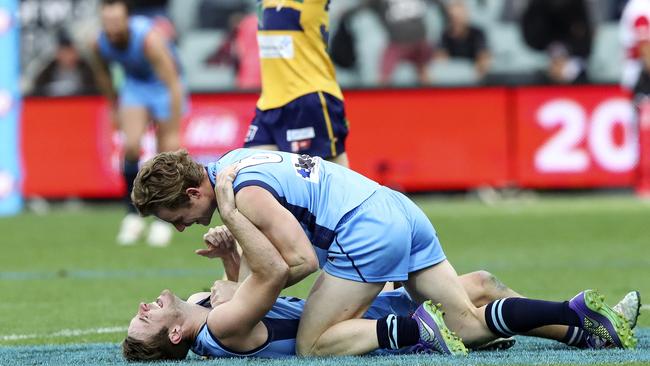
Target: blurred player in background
152	91
301	107
635	37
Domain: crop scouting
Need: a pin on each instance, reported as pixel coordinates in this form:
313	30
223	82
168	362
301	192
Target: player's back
293	37
317	192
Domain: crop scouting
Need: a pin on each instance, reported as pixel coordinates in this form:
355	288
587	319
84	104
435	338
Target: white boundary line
645	307
63	333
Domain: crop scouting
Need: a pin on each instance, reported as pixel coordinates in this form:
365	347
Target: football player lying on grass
228	322
249	323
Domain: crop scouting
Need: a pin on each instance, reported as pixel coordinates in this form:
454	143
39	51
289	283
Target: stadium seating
194	48
606	55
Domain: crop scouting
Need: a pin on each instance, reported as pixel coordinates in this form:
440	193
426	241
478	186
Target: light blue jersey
360	230
318	193
282	326
133	59
141	87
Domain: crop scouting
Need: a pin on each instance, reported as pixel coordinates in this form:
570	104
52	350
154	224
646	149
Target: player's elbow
311	264
279	273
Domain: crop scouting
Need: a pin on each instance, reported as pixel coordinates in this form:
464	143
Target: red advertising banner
425	139
574	137
421	139
70	147
67	148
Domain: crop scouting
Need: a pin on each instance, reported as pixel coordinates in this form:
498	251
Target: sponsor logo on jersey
275	46
307	167
297	146
301	134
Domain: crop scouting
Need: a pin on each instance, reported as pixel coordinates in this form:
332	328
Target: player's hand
222	291
224	190
219	243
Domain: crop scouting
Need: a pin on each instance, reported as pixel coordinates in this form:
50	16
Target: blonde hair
163	180
159	347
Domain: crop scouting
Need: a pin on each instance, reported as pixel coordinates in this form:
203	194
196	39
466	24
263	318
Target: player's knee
480	287
485	278
169	143
132	151
305	348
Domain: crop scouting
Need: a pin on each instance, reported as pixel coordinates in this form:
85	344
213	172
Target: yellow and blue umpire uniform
301	105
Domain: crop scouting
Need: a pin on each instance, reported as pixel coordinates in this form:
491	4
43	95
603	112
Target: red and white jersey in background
634	30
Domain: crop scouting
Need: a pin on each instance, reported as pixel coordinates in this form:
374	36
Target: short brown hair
127	4
159	347
162	181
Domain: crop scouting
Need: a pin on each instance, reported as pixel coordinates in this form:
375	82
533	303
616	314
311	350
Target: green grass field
63	280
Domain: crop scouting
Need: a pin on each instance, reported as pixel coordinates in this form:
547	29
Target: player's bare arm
102	74
161	60
220	243
281	228
237	323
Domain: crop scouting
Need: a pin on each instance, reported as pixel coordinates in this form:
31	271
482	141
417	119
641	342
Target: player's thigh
441	284
133	122
168	134
331	301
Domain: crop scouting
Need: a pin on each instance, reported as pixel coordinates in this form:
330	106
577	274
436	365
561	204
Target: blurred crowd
372	42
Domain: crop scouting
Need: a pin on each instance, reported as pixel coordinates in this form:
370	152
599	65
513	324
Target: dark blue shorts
313	124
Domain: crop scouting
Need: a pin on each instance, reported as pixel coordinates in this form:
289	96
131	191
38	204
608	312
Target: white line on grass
645	307
63	333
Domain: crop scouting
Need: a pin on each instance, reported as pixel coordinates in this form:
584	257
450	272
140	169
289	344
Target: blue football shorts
383	239
151	95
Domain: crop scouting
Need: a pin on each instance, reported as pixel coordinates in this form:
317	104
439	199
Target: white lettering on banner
275	46
5	102
208	131
613	157
6	184
562	153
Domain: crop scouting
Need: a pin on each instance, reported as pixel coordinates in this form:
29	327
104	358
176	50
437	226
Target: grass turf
64	281
527	351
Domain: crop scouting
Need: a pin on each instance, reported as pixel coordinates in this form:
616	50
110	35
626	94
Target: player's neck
195	318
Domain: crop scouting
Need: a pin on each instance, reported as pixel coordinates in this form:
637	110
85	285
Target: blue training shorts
312	124
383	239
152	95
